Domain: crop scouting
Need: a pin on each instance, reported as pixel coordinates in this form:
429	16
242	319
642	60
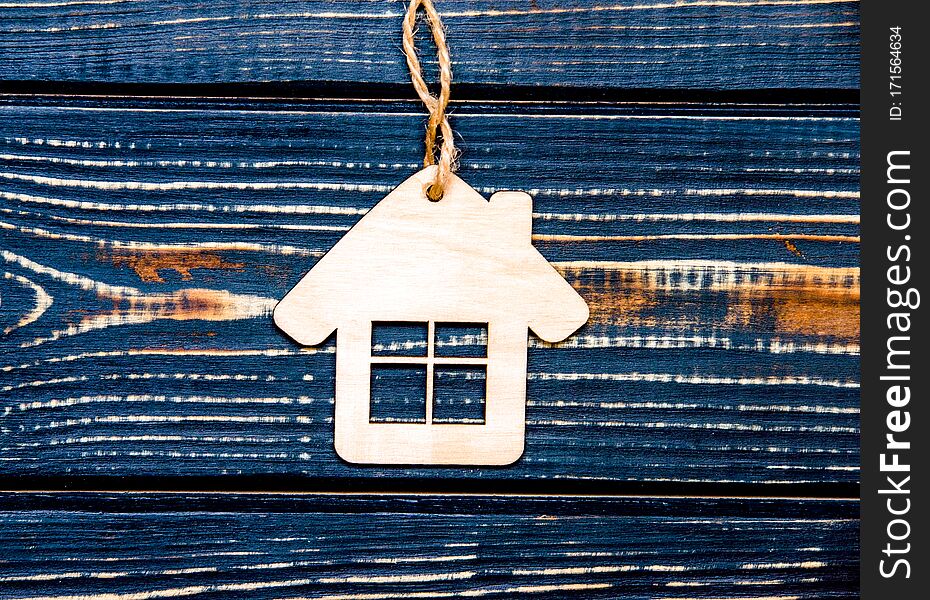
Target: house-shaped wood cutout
461	260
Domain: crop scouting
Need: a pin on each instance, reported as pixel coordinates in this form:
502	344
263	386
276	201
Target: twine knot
438	121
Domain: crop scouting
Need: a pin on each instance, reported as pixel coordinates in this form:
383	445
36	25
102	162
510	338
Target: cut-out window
398	394
462	339
428	372
458	394
398	339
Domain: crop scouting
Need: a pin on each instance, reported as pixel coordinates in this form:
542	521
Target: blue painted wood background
732	44
425	547
163	182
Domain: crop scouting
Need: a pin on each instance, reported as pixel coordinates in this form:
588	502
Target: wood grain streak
392	548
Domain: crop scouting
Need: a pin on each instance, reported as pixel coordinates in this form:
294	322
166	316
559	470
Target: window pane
464	340
398	394
459	394
398	339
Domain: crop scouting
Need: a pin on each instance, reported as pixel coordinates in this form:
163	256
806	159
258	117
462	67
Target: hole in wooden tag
398	394
459	394
429	194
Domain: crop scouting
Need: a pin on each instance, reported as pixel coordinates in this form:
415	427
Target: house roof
461	259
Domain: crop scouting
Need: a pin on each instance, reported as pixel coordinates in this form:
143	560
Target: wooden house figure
461	260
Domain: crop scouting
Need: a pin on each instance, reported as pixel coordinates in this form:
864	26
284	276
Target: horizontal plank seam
461	93
384	494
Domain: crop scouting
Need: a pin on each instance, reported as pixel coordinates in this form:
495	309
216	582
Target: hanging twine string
438	122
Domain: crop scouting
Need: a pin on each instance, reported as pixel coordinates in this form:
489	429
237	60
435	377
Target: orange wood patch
148	263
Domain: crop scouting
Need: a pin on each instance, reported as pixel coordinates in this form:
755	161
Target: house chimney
515	212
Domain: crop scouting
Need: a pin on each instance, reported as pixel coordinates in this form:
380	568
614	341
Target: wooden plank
716	246
732	44
381	548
